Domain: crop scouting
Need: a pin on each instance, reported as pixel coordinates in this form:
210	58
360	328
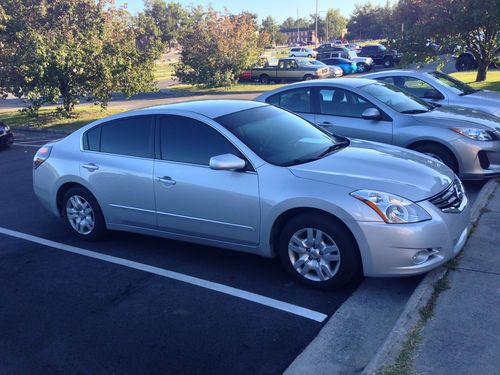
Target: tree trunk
482	71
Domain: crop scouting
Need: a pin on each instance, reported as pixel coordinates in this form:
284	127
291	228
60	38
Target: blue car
347	66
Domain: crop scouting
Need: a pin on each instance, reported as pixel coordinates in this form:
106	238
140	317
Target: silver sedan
466	140
251	177
440	88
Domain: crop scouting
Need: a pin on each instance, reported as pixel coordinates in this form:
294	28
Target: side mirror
371	114
433	94
226	162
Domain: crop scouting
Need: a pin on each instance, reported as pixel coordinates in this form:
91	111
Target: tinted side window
338	102
191	141
130	136
92	139
294	100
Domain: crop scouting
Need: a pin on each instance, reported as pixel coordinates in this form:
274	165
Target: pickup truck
289	69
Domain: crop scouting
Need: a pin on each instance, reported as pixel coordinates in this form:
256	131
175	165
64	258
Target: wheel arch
421	142
63	189
287	215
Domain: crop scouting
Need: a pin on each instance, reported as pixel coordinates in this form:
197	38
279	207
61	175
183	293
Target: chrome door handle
166	180
91	167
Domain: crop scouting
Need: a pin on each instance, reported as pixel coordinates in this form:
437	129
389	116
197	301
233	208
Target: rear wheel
464	62
361	67
310	56
388	62
264	79
440	153
319	252
83	214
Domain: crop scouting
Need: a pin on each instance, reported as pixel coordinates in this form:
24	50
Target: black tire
99	230
350	261
308	77
464	63
264	79
310	56
439	152
388	62
362	67
292	55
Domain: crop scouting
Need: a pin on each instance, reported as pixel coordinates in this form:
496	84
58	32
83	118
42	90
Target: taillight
41	155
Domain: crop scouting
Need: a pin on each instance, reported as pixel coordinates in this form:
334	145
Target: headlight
392	208
475	134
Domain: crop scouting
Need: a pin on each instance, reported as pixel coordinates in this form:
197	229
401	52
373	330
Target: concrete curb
38	130
387	353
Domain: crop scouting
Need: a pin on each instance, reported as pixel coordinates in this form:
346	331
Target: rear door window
298	100
128	136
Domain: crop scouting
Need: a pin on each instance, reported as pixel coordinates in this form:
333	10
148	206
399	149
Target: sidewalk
463	336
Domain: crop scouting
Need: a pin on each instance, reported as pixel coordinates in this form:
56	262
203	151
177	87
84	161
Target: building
307	36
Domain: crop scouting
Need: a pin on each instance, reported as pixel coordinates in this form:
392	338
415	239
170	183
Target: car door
193	199
339	111
117	163
298	101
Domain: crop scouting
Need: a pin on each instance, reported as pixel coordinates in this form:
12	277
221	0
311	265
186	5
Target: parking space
134	303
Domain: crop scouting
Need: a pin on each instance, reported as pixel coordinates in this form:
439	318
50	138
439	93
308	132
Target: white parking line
235	292
27	145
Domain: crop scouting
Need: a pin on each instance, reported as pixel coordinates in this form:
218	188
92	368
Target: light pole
326	22
316	43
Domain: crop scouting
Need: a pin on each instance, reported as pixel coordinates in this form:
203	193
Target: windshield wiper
415	111
332	148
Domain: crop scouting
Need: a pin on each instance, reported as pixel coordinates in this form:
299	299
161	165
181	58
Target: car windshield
396	98
280	137
453	84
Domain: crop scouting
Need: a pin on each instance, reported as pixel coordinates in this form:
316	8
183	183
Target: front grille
450	199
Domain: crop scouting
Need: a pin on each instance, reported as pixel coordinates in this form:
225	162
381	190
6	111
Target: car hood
376	166
460	116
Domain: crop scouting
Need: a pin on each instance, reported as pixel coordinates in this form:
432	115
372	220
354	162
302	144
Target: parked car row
287	175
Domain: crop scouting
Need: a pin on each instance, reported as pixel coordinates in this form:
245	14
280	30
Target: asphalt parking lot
138	304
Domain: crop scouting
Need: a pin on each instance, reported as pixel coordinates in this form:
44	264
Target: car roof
393	72
208	108
340	82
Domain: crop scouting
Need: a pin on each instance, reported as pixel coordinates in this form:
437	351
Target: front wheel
319	252
83	214
308	77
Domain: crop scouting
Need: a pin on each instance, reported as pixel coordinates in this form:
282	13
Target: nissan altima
251	177
466	140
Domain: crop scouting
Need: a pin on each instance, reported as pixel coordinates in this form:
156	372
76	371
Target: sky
279	9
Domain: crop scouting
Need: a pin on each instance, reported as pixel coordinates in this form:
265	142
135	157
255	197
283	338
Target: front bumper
477	159
6	139
389	249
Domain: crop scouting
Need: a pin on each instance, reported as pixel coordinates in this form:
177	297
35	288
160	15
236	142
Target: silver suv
251	177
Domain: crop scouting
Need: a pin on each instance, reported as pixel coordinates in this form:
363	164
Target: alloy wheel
80	214
314	254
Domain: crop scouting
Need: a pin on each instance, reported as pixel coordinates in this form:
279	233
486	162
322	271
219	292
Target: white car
303	52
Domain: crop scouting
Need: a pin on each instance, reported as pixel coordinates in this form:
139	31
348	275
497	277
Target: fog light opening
421	256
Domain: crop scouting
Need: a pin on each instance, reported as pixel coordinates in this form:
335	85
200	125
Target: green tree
333	24
369	21
71	49
292	23
472	25
217	48
270	27
170	18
